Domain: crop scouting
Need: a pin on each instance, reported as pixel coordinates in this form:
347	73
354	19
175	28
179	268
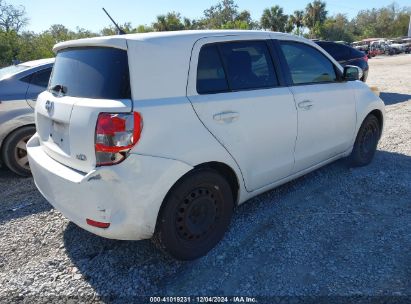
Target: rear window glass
92	73
336	50
357	53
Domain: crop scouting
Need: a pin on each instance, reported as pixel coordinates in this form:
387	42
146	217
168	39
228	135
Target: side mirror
352	72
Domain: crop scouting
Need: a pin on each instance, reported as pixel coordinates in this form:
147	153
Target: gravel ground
334	232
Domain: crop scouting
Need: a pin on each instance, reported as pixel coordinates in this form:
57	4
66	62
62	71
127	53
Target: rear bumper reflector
97	224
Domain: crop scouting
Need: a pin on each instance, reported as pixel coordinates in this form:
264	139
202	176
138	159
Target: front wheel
195	215
366	142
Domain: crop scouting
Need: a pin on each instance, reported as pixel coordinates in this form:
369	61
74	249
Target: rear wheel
195	215
366	142
14	152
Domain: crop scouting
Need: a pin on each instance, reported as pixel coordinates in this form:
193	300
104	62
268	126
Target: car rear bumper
127	195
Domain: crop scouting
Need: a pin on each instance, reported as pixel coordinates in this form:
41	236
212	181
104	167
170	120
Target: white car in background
163	134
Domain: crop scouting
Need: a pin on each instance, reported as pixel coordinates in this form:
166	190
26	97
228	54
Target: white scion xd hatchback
162	134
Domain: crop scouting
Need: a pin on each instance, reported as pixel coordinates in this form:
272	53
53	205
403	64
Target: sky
88	14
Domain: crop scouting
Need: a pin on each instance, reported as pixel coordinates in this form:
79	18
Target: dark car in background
19	86
346	55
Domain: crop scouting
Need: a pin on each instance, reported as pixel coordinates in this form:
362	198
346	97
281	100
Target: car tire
195	215
14	152
366	142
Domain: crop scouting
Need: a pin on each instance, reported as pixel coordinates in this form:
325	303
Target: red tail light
116	134
366	58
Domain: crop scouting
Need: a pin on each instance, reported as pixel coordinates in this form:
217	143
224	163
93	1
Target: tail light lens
97	224
366	58
116	134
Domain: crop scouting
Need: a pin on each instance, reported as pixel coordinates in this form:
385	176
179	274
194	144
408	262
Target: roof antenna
119	30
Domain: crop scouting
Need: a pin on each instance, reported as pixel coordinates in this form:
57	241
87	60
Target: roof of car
189	35
39	62
333	42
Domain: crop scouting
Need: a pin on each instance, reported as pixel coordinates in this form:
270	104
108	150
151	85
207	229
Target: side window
210	72
306	64
41	78
248	65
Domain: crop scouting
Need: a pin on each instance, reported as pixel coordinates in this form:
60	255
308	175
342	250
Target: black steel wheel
198	214
195	215
366	142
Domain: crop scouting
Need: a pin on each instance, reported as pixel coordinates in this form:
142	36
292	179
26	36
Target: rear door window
210	72
248	65
306	64
235	66
93	72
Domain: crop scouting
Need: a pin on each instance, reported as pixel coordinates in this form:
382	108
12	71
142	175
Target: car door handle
306	104
226	117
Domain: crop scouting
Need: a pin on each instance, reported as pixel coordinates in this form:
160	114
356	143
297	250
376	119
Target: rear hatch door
85	81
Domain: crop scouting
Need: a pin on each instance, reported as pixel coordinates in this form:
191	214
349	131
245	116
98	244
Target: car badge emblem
49	106
81	157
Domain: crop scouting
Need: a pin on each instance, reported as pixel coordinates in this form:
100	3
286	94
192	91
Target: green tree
336	28
220	14
112	30
400	26
298	21
289	26
244	16
60	33
83	33
36	46
242	21
274	19
188	24
236	24
315	16
386	22
170	22
143	29
8	47
364	24
12	20
225	15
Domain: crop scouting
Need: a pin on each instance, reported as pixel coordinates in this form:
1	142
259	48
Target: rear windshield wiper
59	88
